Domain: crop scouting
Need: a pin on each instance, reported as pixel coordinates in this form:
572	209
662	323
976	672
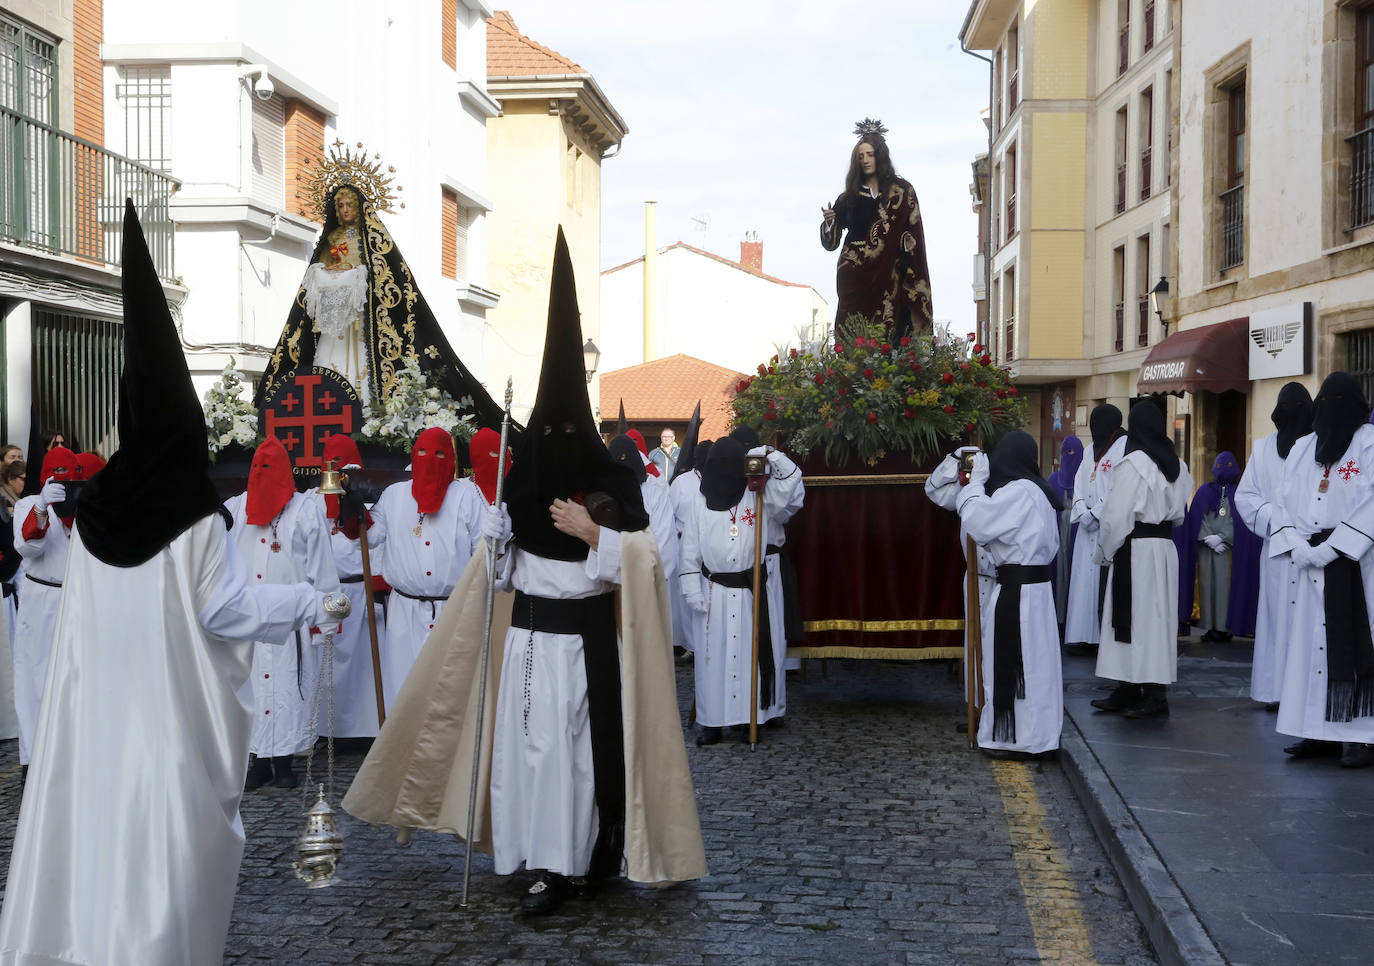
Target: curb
1176	934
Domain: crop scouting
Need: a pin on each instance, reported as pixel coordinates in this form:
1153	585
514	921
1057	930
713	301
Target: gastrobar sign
1158	371
1281	341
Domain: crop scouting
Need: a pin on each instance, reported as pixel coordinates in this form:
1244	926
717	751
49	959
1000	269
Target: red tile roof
720	258
667	390
511	54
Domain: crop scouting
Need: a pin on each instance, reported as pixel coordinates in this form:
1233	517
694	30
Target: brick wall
304	144
448	32
448	251
88	122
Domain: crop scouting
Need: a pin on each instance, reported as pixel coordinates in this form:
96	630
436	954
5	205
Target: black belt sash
1008	661
592	618
45	583
1121	576
432	601
355	579
744	580
1349	647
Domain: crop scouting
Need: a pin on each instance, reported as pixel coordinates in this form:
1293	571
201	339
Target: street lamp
1157	295
591	355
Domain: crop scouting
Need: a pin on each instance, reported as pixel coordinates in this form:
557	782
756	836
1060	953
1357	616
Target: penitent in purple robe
1243	597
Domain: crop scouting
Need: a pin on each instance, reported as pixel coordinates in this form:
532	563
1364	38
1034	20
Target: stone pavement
1231	851
864	832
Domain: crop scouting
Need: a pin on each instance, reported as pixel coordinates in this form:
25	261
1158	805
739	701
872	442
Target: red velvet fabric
344	452
88	465
484	449
431	467
270	483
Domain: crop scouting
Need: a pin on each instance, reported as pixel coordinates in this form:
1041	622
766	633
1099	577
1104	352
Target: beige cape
419	770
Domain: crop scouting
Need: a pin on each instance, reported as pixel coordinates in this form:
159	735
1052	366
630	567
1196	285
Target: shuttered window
77	361
269	151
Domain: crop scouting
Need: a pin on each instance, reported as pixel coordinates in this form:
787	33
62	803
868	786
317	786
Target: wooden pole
973	643
758	593
370	603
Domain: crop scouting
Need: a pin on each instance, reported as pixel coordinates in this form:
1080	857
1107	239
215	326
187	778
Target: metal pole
371	607
758	588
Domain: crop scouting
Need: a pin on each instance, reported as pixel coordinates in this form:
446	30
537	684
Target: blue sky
740	118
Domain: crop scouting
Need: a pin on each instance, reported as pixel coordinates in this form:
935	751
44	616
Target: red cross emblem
747	516
308	407
1105	465
1348	470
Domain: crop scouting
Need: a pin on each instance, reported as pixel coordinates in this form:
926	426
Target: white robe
942	486
688	625
1347	507
129	839
282	691
1018	525
723	663
543	790
1256	499
355	692
1140	494
1091	485
45	559
427	564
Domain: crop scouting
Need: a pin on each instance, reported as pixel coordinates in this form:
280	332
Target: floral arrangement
414	406
229	417
863	397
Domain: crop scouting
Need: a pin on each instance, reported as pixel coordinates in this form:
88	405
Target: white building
232	98
705	306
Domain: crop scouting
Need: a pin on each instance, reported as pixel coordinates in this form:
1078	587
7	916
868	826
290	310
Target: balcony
1232	227
1145	175
1121	187
1120	340
1142	331
1361	178
65	196
1149	25
1008	338
1123	50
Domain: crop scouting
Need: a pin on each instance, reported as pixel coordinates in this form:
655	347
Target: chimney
751	253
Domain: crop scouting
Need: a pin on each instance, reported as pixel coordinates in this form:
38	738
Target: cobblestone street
864	832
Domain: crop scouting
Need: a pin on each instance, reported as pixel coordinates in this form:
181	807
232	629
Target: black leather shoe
685	658
283	772
1356	755
581	887
775	723
1125	696
259	773
1313	748
546	895
1150	707
708	736
1006	754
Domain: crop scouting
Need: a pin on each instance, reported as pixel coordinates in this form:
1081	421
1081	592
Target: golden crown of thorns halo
341	166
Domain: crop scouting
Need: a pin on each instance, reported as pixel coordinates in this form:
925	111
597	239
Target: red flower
948	377
872	418
763	370
839	348
1001	394
985	359
819	379
771	370
972	336
977	347
770	415
868	373
905	341
860	341
772	404
829	373
909	413
793	353
844	390
915	367
963	365
949	410
1012	391
968	427
743	385
830	424
886	348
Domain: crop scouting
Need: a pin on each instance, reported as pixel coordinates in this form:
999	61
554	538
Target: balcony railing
1232	227
1145	181
1008	338
1120	340
1142	331
1011	217
1149	25
1012	85
1361	177
1121	187
1123	51
61	194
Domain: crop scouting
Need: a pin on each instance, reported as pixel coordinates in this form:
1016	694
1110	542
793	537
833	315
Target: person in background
1061	481
665	456
9	453
13	474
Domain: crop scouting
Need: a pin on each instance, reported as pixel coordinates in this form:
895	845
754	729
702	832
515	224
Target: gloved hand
1323	554
1302	556
958	454
496	525
323	618
1215	542
697	602
978	476
51	493
351	508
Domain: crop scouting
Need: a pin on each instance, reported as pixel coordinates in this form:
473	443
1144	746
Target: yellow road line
1052	904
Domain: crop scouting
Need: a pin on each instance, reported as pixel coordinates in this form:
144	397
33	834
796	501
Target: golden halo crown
342	166
870	126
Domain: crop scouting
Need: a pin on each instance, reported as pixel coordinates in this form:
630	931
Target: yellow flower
880	384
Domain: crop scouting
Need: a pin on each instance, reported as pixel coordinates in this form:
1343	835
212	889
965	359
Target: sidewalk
1230	851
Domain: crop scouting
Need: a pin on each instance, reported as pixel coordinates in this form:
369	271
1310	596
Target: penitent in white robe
1347	507
942	486
688	625
422	568
283	692
1018	525
355	691
543	790
45	563
1256	500
1141	494
1091	485
722	665
129	839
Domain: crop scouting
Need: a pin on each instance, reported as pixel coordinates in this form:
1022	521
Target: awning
1210	358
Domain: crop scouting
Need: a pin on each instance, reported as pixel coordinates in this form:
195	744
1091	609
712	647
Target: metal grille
1123	54
1359	358
77	361
145	96
1149	27
1361	177
28	72
1008	339
1142	333
1232	227
1121	187
1119	341
1145	174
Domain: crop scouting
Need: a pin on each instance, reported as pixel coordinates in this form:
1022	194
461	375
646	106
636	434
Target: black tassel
1004	726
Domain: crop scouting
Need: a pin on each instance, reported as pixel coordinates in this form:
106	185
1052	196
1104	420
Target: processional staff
973	624
756	472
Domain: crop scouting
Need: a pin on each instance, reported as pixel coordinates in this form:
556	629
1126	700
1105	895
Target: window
1011	191
994	227
1142	290
1166	159
1233	197
268	157
1149	26
1119	298
1009	314
453	249
77	361
1013	67
994	301
1147	139
996	111
1123	47
1362	141
1359	356
1120	199
144	95
28	71
448	32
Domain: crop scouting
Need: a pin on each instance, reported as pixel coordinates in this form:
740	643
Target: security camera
264	88
257	80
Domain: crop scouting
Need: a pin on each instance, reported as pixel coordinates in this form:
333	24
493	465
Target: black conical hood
622	427
688	450
561	455
162	437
